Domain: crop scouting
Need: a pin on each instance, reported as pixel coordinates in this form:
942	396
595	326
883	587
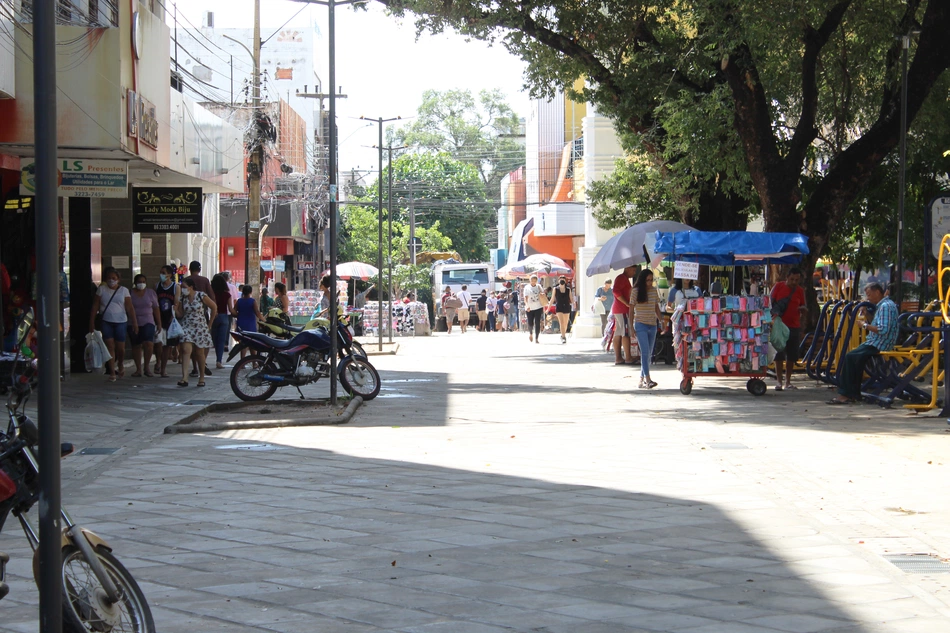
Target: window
465	276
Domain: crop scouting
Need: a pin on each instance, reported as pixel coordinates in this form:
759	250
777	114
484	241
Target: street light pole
379	250
902	174
48	314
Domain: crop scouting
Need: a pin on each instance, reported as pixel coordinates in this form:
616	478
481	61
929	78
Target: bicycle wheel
246	382
85	607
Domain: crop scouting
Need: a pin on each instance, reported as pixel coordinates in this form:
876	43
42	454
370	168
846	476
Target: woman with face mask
563	303
114	304
168	293
145	303
197	333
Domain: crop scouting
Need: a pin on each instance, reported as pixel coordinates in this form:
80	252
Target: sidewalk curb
188	424
386	352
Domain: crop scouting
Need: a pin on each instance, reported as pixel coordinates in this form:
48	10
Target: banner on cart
686	270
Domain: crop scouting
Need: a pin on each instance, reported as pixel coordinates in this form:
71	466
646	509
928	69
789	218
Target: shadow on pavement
321	540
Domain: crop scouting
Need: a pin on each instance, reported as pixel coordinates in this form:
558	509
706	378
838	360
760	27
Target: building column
116	216
80	279
601	151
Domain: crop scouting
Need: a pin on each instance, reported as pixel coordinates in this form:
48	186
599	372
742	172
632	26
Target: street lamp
389	211
379	252
902	173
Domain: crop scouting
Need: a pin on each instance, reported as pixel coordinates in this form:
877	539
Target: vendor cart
728	336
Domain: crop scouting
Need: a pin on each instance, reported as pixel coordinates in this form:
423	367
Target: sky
380	65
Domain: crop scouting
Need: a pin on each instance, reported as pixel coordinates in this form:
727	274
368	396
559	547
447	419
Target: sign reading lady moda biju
166	210
81	178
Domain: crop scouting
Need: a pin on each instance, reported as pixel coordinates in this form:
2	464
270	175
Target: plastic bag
770	354
93	353
174	330
779	336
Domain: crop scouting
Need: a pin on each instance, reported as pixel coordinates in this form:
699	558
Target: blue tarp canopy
732	248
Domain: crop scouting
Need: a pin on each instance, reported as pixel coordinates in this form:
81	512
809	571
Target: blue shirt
885	319
609	301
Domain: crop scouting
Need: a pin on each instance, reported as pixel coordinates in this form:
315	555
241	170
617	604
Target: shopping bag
598	307
161	337
92	354
779	336
103	348
174	330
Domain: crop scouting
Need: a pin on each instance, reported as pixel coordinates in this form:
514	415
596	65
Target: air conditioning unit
209	19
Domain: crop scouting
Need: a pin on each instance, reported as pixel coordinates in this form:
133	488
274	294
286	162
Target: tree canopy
478	131
787	108
446	195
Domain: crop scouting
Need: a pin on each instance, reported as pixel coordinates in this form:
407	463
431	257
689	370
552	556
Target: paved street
498	485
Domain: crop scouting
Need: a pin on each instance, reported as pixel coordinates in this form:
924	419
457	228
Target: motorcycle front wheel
244	381
358	349
359	378
85	607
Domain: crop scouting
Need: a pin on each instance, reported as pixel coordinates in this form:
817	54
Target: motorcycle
276	325
300	361
99	593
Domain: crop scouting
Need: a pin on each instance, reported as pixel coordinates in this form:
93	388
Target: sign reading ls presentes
81	178
166	210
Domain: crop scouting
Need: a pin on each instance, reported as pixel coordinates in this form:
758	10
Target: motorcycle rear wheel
242	380
359	378
84	606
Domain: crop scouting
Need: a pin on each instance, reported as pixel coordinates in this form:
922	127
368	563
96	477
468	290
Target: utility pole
254	166
389	215
412	237
379	250
47	321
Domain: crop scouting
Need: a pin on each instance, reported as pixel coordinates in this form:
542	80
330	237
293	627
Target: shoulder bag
97	325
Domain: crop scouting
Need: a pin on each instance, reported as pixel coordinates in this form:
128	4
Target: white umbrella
355	270
541	264
627	247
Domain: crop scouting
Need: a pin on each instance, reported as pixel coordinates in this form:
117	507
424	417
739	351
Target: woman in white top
677	303
534	308
114	304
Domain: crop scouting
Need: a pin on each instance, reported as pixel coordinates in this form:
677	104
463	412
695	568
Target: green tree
359	236
478	131
446	194
808	93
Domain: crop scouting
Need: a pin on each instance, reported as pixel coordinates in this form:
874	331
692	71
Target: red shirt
622	288
791	317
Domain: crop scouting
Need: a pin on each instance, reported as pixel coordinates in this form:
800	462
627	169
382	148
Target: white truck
477	276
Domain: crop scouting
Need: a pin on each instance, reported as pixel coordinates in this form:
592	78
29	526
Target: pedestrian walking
481	307
534	308
203	285
501	315
512	309
196	337
620	309
113	304
168	293
267	302
603	302
563	305
646	315
149	319
221	324
492	306
246	313
450	306
465	310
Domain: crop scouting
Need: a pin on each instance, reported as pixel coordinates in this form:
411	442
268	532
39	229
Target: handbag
97	324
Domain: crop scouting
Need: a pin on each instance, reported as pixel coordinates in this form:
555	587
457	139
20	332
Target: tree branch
815	41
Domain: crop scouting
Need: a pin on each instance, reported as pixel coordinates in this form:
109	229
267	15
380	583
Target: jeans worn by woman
219	334
646	338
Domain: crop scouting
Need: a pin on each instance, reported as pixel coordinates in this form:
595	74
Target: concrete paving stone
664	621
733	612
601	611
521	619
797	623
731	627
453	627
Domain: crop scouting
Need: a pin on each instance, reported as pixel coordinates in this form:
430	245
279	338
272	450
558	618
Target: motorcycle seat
267	340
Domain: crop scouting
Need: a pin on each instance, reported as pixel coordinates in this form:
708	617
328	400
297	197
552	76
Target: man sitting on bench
882	335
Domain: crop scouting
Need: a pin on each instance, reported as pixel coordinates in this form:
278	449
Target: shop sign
166	210
686	270
81	178
301	265
939	222
268	265
143	120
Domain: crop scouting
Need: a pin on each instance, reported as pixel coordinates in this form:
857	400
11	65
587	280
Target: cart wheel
756	387
686	386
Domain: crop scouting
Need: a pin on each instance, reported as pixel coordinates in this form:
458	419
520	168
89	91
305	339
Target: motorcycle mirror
25	326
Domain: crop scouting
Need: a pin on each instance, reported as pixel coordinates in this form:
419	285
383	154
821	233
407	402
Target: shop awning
730	248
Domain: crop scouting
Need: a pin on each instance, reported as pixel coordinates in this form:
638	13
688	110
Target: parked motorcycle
99	593
302	360
276	325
